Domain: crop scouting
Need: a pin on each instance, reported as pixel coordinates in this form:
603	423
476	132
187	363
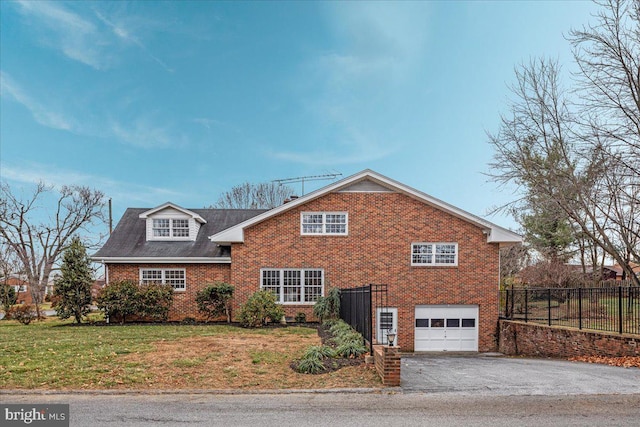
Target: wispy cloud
44	115
125	34
92	39
77	37
128	194
144	132
357	92
354	147
206	122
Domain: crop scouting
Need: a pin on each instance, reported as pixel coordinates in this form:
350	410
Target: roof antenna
302	179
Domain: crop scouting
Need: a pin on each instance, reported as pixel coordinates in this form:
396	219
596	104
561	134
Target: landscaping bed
53	355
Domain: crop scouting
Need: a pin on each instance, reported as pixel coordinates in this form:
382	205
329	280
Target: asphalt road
311	409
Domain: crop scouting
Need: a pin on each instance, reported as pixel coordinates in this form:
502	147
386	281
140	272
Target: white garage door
446	328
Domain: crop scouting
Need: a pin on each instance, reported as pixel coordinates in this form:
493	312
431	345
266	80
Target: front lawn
53	354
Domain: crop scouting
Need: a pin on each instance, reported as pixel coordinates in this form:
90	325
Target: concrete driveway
487	375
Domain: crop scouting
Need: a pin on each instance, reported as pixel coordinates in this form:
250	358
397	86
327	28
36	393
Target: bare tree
8	261
579	161
513	259
39	242
254	196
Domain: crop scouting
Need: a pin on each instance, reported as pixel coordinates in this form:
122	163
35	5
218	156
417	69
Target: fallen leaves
623	361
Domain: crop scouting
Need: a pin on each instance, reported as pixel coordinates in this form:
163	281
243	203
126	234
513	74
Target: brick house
440	263
20	286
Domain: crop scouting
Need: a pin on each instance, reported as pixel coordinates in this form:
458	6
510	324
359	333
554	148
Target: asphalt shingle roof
128	240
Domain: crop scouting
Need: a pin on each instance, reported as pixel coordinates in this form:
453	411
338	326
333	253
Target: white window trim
324	223
281	281
170	237
434	264
163	271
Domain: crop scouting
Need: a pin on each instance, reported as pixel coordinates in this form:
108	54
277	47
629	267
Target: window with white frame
434	254
166	227
161	228
332	223
293	286
164	276
180	227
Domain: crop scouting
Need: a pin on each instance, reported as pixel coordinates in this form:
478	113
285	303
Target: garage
446	328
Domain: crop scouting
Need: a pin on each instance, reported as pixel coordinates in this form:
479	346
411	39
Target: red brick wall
377	250
519	338
197	277
388	364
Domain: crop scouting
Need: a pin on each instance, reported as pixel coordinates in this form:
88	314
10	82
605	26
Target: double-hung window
161	227
328	223
180	227
166	227
293	286
434	254
164	276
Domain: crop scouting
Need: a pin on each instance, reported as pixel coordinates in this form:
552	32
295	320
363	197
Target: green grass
57	354
267	357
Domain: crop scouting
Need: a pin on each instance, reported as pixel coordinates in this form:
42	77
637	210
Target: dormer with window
170	222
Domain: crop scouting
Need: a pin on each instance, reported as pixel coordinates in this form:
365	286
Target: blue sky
179	101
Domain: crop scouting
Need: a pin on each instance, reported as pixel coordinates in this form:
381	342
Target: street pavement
343	409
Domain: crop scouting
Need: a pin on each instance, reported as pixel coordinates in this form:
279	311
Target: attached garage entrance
446	328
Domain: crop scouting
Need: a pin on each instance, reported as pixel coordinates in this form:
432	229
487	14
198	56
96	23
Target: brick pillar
387	362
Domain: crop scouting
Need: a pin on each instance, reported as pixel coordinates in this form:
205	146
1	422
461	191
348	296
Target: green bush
339	325
351	349
154	301
328	307
215	300
124	298
7	297
119	299
259	307
319	351
23	313
301	318
311	365
349	342
349	336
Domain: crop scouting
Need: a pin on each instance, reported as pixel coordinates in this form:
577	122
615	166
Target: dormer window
164	227
171	222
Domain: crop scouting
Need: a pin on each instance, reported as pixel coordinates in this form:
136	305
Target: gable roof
192	214
356	183
128	242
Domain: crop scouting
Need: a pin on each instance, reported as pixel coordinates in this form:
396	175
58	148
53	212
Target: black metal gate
357	305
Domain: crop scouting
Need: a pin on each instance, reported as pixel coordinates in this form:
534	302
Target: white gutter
164	260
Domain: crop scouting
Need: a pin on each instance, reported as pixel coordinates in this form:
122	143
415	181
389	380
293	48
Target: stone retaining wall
519	338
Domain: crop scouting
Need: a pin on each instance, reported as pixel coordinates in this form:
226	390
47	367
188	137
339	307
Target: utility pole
302	179
110	217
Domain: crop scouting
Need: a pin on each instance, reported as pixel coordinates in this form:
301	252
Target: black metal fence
356	308
602	309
